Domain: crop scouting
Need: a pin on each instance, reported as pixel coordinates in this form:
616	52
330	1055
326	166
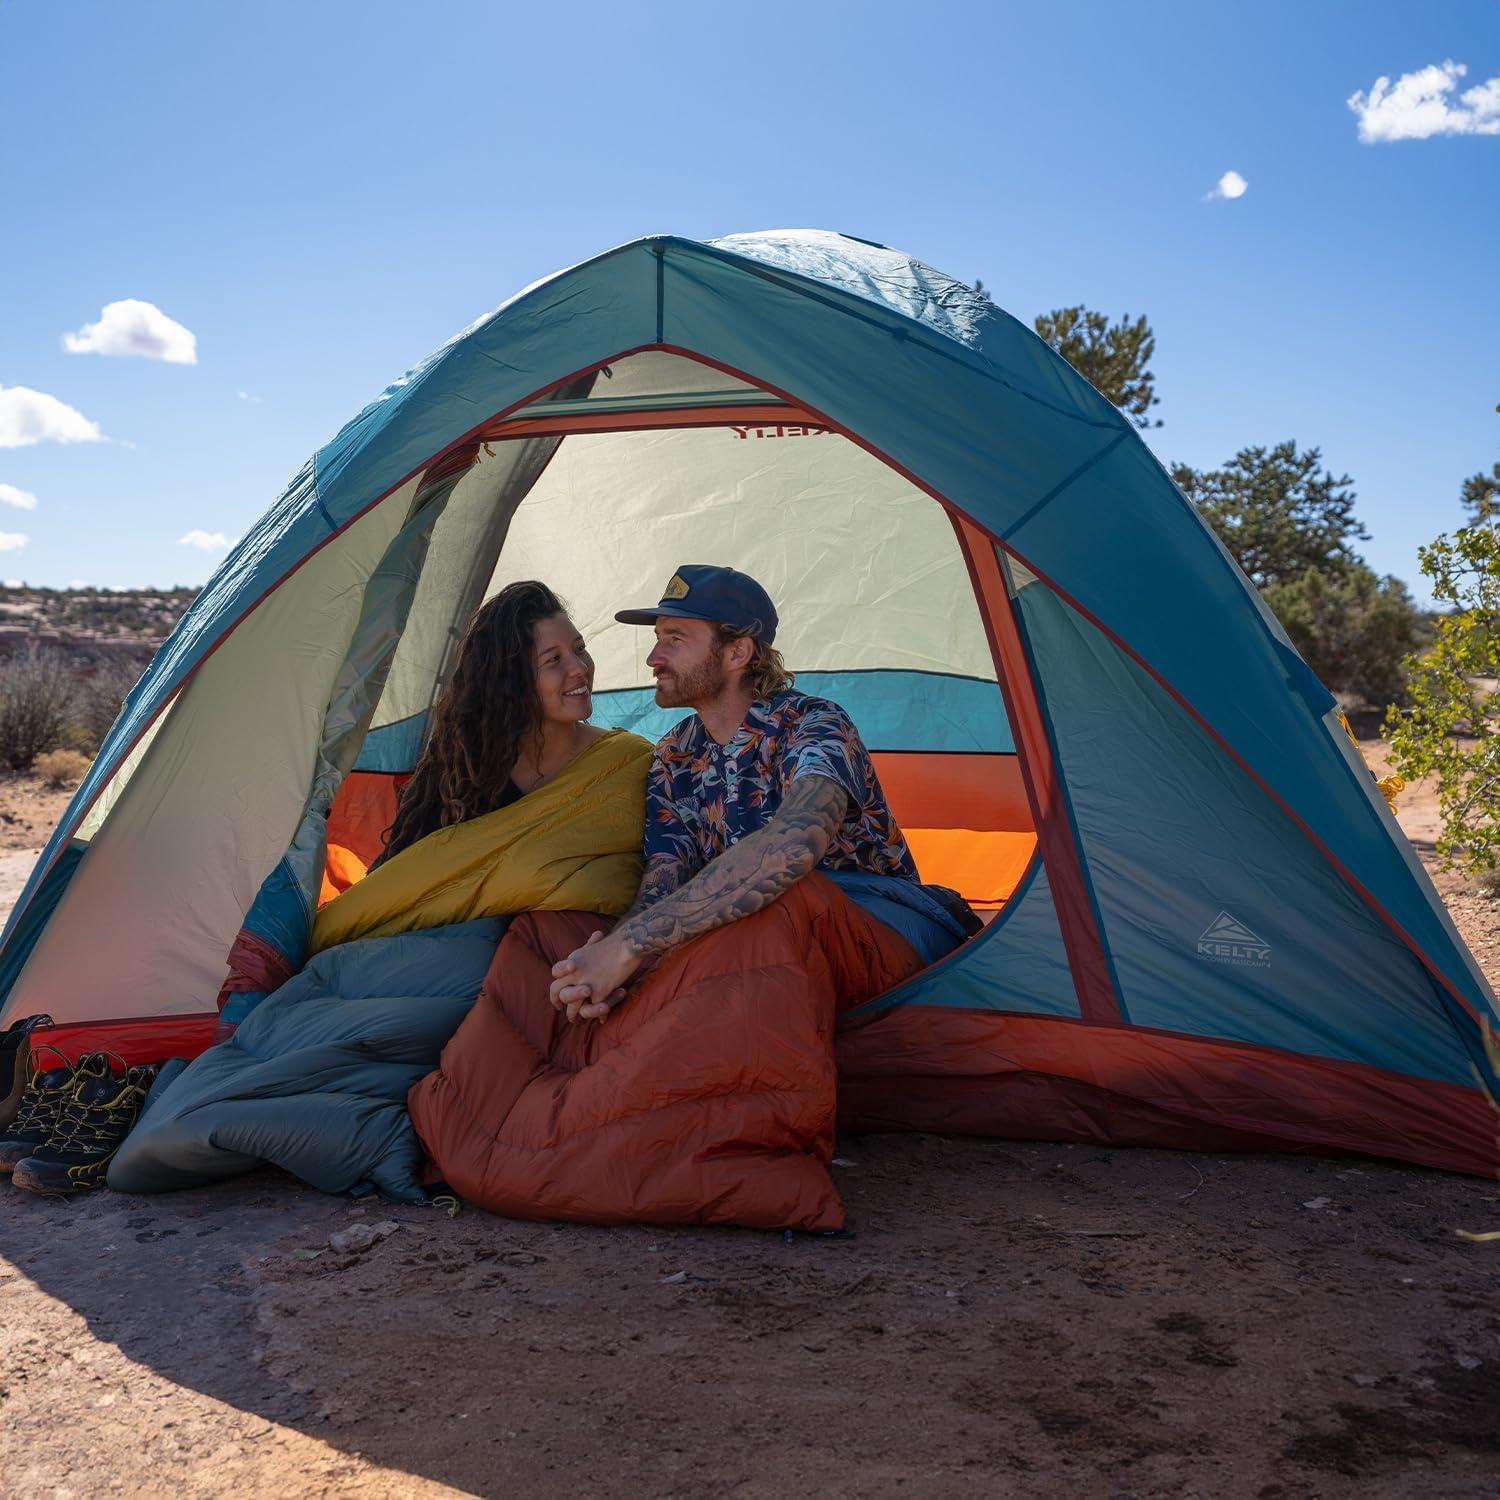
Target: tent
1204	927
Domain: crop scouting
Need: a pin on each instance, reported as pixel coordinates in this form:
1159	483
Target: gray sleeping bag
315	1078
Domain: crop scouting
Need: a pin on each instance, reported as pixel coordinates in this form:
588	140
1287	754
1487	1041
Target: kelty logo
781	430
1228	941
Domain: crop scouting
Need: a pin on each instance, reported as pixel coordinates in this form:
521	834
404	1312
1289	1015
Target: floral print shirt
701	796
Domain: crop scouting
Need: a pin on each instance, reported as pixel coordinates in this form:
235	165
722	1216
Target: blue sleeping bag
315	1080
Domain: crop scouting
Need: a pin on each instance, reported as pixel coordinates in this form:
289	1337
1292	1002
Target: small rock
520	1258
1365	1380
1466	1362
674	1279
358	1237
1317	1203
843	1161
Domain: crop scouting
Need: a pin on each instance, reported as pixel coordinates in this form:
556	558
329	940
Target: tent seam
1063	484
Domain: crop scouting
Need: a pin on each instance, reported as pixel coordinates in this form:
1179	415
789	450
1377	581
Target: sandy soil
1003	1319
29	811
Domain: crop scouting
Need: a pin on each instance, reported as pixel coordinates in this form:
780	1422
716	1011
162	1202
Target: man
756	789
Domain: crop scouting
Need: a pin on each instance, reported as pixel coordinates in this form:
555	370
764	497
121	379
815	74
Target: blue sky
321	193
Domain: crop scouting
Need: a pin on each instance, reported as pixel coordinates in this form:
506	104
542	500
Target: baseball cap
700	591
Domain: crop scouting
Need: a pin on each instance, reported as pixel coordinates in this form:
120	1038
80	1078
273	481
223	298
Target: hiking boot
15	1064
95	1120
40	1108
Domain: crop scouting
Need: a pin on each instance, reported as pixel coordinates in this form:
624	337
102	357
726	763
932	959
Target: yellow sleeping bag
573	844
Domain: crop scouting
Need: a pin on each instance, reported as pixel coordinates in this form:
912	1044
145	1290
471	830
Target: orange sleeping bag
706	1098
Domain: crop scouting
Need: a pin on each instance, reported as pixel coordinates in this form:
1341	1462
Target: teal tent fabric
1016	964
1177	839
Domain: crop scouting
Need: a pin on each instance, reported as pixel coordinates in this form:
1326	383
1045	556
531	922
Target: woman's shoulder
621	737
625	743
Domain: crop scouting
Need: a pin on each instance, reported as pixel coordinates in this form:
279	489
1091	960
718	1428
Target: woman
518	804
513	715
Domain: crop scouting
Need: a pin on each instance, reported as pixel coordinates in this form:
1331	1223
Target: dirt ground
29	810
1001	1319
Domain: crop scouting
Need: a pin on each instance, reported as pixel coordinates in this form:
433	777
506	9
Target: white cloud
1230	185
246	396
13	541
21	499
204	541
28	417
78	583
139	328
13	583
1419	105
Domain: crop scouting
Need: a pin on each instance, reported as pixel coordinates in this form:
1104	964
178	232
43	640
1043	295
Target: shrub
1452	728
99	696
61	768
36	700
1352	628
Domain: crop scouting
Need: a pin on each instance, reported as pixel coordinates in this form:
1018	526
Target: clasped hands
591	980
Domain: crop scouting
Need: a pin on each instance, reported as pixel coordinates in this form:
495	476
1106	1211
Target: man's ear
739	651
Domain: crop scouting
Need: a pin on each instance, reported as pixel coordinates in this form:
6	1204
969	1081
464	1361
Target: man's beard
702	685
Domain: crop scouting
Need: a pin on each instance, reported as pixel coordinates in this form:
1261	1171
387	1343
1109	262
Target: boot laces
40	1102
99	1121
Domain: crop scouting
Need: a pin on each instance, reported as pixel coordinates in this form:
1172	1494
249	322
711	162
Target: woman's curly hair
478	724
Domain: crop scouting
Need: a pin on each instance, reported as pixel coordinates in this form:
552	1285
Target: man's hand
590	981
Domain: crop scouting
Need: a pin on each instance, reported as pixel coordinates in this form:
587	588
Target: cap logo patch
677	589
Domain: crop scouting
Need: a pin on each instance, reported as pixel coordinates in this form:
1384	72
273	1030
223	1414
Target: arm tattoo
747	876
661	877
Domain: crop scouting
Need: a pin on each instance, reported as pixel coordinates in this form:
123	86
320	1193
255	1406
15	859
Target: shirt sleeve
669	831
824	742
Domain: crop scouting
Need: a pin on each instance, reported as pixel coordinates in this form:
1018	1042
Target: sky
226	227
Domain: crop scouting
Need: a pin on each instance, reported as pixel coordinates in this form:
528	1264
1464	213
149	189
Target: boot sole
32	1182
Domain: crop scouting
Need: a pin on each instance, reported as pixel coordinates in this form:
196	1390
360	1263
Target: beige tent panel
211	806
615	513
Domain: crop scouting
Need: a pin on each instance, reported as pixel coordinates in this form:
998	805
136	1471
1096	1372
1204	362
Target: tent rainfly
1205	929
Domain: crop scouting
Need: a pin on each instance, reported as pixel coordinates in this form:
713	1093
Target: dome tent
1207	929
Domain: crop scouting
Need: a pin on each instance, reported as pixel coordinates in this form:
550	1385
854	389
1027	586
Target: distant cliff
85	621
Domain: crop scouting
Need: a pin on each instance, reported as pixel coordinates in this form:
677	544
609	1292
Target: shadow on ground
1004	1319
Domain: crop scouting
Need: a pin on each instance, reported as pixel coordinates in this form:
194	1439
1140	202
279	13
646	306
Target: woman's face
564	671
